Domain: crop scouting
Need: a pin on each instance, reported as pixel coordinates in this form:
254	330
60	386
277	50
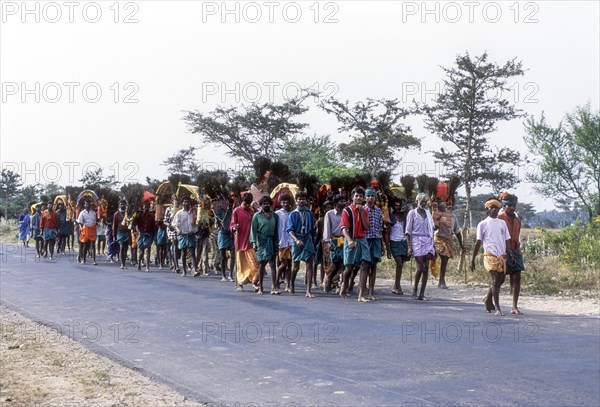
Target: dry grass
545	271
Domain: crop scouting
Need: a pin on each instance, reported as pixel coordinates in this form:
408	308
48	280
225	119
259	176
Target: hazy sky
107	82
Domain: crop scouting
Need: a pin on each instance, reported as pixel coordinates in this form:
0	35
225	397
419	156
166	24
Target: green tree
376	131
26	196
95	179
526	212
10	186
52	189
251	131
568	158
316	155
183	161
465	114
10	183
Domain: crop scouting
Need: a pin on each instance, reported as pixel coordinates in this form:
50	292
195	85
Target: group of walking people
346	238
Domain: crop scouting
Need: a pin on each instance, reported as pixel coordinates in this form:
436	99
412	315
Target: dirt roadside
39	367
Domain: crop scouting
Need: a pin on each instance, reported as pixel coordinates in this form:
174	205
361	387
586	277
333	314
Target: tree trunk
462	264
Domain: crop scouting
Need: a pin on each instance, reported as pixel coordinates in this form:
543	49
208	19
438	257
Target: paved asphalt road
239	349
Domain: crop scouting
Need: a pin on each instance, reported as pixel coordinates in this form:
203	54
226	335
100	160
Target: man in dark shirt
145	225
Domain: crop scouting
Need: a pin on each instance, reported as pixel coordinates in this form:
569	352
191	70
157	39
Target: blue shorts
50	234
123	237
145	240
36	233
359	253
374	250
399	248
224	240
319	253
161	237
514	262
305	253
186	241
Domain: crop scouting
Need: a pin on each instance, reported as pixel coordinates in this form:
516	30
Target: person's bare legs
443	268
285	269
515	282
397	281
184	254
372	278
224	264
261	276
348	270
422	275
309	277
52	242
148	250
123	255
93	247
274	277
362	282
497	280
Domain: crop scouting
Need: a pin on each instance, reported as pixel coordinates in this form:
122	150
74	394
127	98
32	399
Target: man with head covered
514	260
493	235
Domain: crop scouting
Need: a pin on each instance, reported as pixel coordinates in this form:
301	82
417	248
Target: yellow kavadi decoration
164	191
60	198
191	190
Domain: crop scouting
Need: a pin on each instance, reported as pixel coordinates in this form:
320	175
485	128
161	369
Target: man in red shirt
245	257
514	260
146	227
49	228
354	224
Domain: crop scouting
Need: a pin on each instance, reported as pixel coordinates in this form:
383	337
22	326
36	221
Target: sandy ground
40	367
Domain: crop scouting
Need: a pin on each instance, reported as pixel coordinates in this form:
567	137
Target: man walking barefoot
493	234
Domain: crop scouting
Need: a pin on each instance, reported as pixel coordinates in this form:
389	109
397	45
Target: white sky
185	55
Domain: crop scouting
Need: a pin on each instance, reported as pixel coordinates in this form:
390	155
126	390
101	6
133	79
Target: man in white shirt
87	220
285	241
493	234
185	225
333	241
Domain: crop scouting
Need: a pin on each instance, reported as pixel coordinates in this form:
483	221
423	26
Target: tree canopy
95	179
464	116
568	158
376	131
316	155
184	161
250	131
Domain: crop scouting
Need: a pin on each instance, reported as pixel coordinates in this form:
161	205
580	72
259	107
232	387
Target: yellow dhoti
494	263
246	266
444	246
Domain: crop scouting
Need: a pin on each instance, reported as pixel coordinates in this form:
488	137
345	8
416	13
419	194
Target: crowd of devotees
343	239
